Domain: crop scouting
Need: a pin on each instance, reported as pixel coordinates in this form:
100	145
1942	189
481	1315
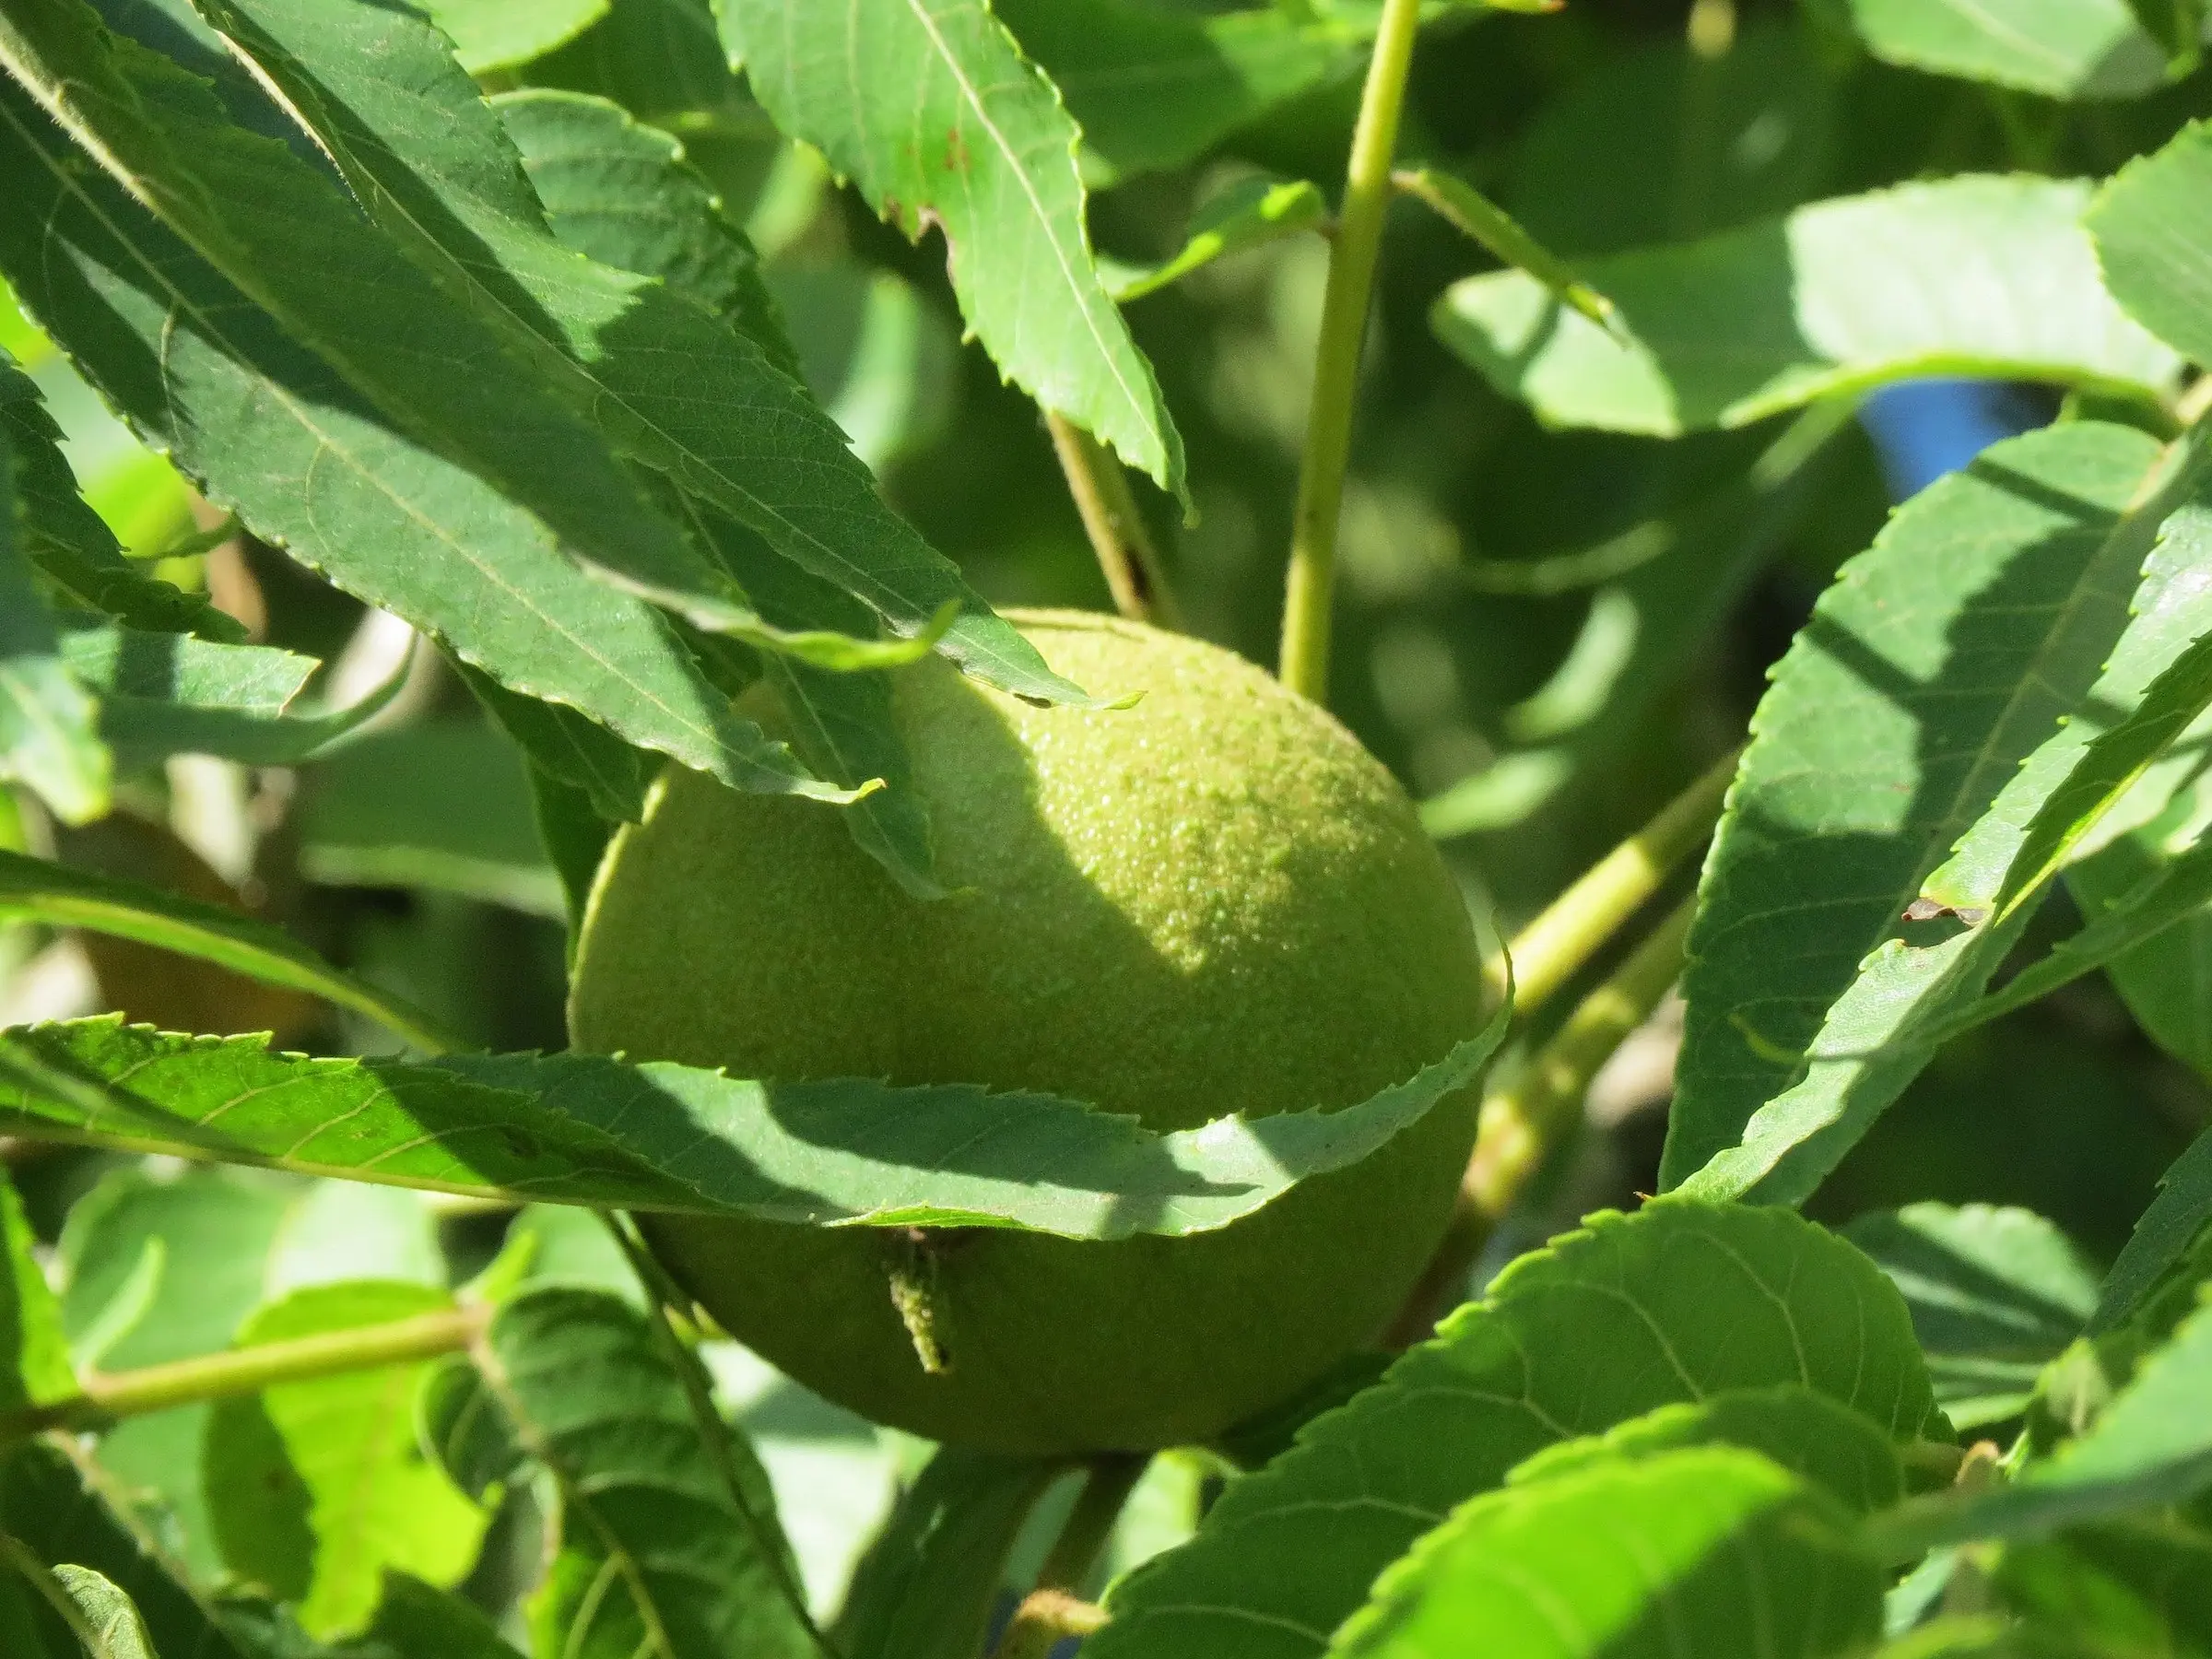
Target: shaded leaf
1949	685
729	428
1248	214
413	1621
1995	1293
1826	1444
982	148
659	59
2156	250
2151	1446
49	725
2132	1587
1837	298
614	773
273	433
1682	1300
657	1555
1705	1551
880	355
2163	1236
316	1489
577	1129
163	694
34	889
1154	89
2077	49
70	543
929	1583
118	1629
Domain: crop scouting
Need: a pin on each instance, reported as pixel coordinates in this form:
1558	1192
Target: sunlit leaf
982	150
577	1129
2073	49
2156	250
1837	298
506	34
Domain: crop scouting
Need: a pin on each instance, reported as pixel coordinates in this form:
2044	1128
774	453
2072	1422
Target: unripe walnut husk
1212	901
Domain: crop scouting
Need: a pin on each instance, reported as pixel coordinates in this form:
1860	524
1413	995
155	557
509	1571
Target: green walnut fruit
1212	901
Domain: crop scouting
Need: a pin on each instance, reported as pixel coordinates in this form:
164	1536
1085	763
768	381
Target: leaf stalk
104	1399
1352	256
1126	551
1053	1610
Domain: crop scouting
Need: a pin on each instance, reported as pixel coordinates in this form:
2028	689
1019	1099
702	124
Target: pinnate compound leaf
1675	1303
1950	683
1153	87
2151	1446
658	1556
1248	214
2165	1233
316	1489
1705	1551
271	431
70	543
118	1627
1996	1294
33	890
668	383
2155	248
2073	49
1826	1444
929	1583
981	146
1839	297
577	1129
49	722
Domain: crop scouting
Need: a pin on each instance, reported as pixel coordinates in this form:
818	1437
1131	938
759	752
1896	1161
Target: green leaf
70	543
576	1129
1674	1303
163	694
1823	1444
440	804
662	59
32	889
2155	251
729	427
316	1489
1153	88
982	148
414	1621
626	196
2130	1587
118	1627
929	1583
666	224
1986	277
585	756
64	1511
34	1347
2059	48
1710	1550
1248	214
2163	1235
49	725
272	432
505	34
210	1230
1474	215
1949	685
881	357
659	1557
1996	1294
2151	1446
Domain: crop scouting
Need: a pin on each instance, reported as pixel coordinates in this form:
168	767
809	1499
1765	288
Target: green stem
1576	926
246	1371
1117	531
1054	1609
1367	193
1525	1118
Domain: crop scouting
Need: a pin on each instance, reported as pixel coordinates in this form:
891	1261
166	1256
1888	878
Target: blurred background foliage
1543	634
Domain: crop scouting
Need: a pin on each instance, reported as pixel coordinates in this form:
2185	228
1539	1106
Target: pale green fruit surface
1214	901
